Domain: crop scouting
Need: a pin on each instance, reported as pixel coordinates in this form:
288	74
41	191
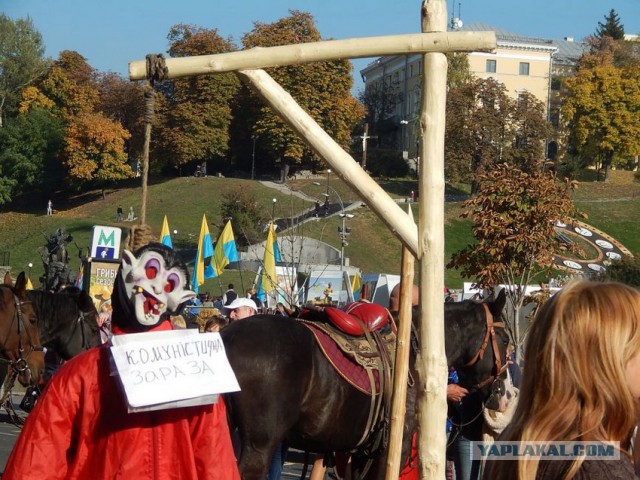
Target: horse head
19	335
476	344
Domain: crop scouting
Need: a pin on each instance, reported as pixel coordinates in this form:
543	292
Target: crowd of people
579	382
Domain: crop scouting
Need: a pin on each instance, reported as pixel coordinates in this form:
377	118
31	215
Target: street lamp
404	123
328	175
273	210
253	156
344	231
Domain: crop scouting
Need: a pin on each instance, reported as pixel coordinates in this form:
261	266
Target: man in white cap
240	308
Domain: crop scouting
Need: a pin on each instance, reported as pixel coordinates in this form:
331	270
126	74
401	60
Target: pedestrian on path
49	207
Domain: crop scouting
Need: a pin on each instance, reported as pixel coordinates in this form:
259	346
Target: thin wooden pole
339	160
297	54
401	366
432	404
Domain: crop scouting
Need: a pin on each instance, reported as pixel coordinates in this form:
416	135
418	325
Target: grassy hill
612	208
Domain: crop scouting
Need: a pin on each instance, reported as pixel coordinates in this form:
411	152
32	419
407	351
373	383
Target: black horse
290	391
67	320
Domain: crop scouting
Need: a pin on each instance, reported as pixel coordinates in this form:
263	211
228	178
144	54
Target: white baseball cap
240	302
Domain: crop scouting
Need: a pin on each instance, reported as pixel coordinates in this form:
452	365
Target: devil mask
151	285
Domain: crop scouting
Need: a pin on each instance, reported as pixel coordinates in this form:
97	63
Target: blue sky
111	33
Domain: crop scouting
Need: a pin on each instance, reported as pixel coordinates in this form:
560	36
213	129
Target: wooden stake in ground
432	400
401	366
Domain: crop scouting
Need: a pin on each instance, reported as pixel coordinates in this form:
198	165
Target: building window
491	66
524	68
411	70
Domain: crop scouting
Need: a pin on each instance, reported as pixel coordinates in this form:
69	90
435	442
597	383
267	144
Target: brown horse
291	392
20	348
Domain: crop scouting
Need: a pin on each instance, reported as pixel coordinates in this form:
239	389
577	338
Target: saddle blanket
348	369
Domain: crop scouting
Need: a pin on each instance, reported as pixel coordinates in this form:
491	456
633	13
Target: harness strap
491	333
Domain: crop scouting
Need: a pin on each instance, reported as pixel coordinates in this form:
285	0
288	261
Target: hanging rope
156	72
139	235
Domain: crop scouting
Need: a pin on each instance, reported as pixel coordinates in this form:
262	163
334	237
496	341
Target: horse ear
85	303
498	304
21	284
7	279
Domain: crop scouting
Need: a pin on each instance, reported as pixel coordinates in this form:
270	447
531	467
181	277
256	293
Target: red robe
80	429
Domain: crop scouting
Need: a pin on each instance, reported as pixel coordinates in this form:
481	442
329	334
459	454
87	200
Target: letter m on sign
105	241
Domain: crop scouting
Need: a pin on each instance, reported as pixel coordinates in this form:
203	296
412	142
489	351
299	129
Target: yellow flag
269	263
29	284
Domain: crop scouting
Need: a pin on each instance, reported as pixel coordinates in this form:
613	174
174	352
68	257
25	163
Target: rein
490	335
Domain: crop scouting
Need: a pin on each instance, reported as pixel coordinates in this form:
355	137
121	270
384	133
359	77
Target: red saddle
372	315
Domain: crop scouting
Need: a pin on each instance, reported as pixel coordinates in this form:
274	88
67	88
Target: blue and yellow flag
356	285
271	257
225	251
202	267
29	284
165	236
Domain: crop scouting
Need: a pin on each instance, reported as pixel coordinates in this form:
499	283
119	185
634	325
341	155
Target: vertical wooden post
401	366
432	404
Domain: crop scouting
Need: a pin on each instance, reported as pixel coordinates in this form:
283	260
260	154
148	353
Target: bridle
20	364
490	335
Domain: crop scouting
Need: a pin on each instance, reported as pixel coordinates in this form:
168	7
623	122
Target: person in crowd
581	382
215	324
229	296
281	310
252	293
81	426
178	322
240	308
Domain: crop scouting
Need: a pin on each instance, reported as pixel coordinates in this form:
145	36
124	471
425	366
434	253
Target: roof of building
567	52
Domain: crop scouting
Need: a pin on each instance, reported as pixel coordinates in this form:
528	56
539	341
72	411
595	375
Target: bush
387	163
625	271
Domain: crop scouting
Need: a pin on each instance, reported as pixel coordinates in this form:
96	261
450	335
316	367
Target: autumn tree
513	215
21	60
123	101
193	122
322	89
530	129
94	150
602	109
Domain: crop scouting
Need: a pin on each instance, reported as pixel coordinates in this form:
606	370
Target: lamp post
253	156
328	175
30	265
273	210
343	231
404	124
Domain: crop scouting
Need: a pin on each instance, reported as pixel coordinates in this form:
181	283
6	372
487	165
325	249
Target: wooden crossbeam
261	57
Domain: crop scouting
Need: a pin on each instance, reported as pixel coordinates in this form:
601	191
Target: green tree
602	109
194	122
611	27
323	89
478	130
531	129
246	214
29	145
513	216
21	60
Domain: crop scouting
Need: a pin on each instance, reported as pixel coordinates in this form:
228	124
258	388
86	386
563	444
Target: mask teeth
161	305
138	289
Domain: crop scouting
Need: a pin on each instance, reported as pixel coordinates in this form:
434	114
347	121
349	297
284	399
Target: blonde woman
581	382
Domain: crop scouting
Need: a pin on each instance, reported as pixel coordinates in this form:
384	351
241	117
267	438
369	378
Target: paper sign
166	366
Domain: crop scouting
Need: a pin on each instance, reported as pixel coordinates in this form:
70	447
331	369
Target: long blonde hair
574	386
